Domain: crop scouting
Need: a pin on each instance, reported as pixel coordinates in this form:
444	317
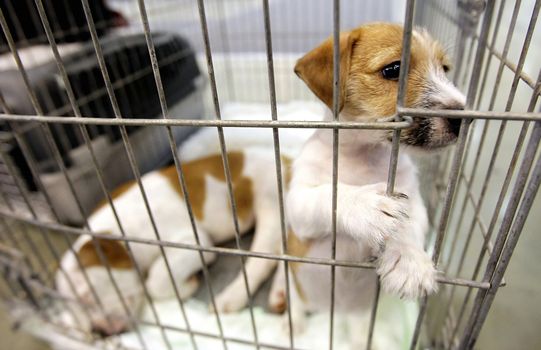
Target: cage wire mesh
86	106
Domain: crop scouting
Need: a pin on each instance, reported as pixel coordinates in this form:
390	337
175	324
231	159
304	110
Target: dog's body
369	223
255	192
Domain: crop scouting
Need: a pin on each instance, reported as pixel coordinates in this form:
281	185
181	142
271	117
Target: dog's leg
405	268
278	300
297	308
365	213
266	240
277	295
183	264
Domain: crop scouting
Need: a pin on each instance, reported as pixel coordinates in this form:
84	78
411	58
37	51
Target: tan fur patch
286	168
195	172
380	45
114	252
242	190
364	52
296	247
316	69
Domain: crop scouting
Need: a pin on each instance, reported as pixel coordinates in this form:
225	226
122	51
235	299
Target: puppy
255	193
369	223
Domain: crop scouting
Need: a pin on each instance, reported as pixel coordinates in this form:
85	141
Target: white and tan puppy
369	223
255	192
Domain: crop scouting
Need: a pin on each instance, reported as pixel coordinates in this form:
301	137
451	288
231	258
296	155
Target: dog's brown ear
316	68
114	252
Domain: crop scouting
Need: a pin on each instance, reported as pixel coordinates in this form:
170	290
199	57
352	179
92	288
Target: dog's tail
206	142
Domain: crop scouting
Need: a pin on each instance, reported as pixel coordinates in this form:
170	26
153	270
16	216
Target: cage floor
394	325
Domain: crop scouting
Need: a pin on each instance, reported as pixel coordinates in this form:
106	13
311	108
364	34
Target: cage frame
499	247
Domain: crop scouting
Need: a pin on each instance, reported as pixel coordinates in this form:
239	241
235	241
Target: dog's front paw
379	215
407	272
232	299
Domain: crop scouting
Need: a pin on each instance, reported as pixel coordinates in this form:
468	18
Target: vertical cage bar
216	102
466	195
278	163
373	315
491	49
228	67
405	54
395	148
402	89
173	146
335	151
467	66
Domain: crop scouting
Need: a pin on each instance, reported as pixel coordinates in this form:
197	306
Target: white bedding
393	327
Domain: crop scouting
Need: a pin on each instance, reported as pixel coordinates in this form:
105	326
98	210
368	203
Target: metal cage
479	198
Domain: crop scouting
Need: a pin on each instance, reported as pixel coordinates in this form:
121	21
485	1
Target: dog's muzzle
105	328
454	123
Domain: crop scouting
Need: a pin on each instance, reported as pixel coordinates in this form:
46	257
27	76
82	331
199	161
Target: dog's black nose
102	333
454	126
105	330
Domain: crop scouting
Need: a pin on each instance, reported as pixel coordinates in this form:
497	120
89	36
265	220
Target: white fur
443	93
365	214
369	223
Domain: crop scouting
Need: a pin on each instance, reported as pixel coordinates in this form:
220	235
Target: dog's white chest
354	287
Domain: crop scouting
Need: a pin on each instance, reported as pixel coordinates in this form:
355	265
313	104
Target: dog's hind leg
183	264
297	308
266	240
277	301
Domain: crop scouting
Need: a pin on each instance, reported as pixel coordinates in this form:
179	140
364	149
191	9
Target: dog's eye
391	71
446	68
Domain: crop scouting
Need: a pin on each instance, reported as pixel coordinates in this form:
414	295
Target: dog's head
90	283
369	70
